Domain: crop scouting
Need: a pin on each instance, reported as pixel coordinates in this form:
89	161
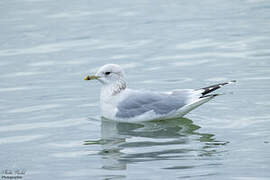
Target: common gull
121	103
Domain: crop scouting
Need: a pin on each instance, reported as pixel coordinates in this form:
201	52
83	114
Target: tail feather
209	89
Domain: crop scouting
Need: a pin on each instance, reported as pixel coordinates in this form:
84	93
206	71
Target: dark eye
107	73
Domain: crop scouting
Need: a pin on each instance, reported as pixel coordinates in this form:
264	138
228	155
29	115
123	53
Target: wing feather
138	103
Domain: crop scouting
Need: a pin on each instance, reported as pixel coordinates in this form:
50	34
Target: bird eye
107	73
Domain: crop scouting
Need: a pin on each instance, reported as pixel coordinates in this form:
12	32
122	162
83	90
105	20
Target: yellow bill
87	78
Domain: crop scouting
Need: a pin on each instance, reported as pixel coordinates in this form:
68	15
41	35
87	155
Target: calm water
50	127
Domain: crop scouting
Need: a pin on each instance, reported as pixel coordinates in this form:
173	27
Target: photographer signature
13	174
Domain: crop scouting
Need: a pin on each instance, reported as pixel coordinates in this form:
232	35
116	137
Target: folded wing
138	103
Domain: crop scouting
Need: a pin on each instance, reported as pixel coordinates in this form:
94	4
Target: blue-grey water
50	125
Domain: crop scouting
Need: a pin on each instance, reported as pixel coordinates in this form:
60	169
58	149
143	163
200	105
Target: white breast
109	100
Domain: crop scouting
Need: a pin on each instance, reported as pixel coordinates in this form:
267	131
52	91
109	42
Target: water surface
50	125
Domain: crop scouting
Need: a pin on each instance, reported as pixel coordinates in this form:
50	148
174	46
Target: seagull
120	103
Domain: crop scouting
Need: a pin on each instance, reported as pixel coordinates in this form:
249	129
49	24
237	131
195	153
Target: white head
110	74
107	74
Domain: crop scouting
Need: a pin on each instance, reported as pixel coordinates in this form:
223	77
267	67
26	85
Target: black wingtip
212	88
210	95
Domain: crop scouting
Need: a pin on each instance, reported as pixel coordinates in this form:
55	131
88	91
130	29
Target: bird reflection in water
174	139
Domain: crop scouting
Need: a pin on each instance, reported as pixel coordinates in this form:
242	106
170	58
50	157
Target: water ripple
202	55
202	43
35	108
39	125
65	45
190	63
20	139
78	14
48	48
73	154
10	89
23	73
